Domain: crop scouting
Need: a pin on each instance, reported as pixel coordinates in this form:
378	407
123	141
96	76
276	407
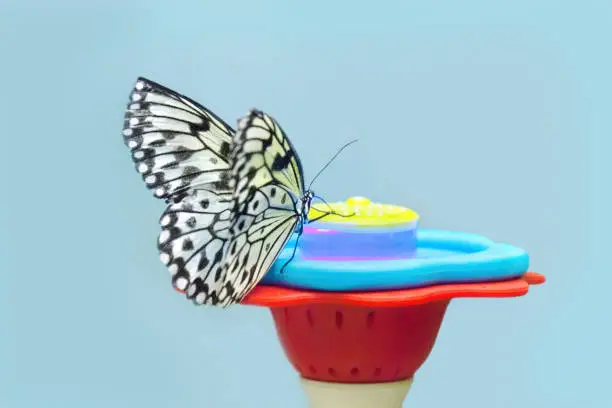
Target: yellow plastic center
362	212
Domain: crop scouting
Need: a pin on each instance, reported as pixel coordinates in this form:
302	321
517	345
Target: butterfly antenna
331	160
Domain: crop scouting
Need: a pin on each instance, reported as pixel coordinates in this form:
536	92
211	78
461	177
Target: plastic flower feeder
358	310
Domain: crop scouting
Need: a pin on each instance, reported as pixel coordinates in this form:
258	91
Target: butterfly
234	198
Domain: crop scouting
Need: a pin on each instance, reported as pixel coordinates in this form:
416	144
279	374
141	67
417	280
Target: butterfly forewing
176	143
264	140
266	199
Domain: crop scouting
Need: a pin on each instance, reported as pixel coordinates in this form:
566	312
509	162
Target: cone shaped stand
361	350
322	394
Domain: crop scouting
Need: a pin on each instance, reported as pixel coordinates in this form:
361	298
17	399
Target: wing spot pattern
226	221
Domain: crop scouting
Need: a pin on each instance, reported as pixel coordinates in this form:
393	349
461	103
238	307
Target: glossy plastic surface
275	296
359	230
440	257
337	245
361	212
335	395
357	344
367	337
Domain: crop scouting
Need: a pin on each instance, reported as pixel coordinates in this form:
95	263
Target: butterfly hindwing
176	143
258	237
193	242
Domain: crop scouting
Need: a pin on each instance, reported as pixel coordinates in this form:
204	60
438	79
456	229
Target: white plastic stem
335	395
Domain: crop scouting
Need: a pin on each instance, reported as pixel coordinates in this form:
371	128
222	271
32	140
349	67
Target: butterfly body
234	198
304	209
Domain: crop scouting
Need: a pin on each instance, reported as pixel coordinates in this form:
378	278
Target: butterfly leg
324	202
301	230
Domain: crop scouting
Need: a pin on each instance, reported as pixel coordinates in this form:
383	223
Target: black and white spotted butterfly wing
193	243
259	234
262	153
269	187
176	143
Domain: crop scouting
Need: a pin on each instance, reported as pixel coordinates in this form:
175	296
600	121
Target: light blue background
488	117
